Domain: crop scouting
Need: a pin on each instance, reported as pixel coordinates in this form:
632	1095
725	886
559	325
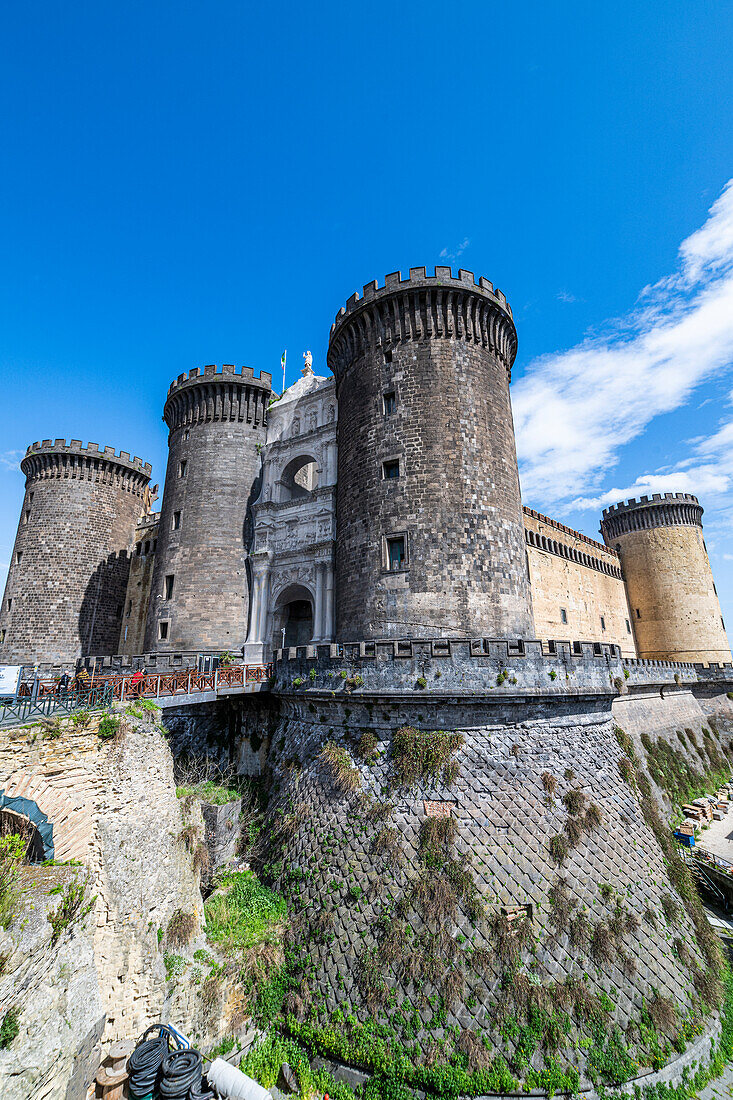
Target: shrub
569	774
387	843
344	776
368	746
436	837
418	756
12	853
602	945
181	928
549	782
670	908
562	905
511	936
108	727
662	1013
421	682
70	907
9	1027
574	801
559	848
626	769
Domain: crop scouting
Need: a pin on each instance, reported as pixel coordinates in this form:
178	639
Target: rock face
453	909
112	974
56	988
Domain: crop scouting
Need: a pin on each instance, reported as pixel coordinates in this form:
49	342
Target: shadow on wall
103	605
248	534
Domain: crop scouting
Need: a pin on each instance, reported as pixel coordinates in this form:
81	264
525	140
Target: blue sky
186	184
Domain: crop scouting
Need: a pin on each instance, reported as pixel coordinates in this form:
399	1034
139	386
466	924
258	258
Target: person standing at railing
62	688
82	682
136	683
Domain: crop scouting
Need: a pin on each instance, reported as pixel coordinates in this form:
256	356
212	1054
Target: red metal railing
187	681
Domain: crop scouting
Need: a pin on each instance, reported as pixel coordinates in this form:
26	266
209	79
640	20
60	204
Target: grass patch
244	913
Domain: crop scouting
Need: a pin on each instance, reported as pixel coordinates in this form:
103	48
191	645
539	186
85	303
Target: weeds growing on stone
70	907
419	756
344	776
559	848
387	843
549	782
12	853
181	928
9	1026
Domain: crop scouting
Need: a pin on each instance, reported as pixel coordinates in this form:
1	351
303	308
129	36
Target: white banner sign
9	676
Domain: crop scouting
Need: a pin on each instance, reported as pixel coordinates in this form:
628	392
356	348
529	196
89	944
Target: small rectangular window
390	403
603	623
129	608
10	602
182	467
186	434
30	498
638	613
391	469
388	356
396	552
147	546
169	585
2	636
628	627
155	545
563	615
19	557
27	515
176	521
162	631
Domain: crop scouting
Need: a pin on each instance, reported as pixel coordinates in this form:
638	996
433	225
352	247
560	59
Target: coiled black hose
144	1064
181	1070
201	1090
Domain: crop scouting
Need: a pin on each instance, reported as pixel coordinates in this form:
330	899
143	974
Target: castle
476	724
380	503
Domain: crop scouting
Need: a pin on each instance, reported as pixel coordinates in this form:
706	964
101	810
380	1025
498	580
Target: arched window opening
299	478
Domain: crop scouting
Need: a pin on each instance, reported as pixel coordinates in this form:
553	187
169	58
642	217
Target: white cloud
447	254
10	459
574	410
566	296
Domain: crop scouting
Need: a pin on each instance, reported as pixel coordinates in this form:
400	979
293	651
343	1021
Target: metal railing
186	682
58	702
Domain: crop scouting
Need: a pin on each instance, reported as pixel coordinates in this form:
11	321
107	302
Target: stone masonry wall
444	348
217	425
505	817
139	587
70	563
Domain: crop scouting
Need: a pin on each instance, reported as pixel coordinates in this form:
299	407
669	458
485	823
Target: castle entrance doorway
294	614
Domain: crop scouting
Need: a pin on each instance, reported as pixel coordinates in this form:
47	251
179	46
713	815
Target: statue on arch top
308	368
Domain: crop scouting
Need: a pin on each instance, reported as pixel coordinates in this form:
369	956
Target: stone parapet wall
473	666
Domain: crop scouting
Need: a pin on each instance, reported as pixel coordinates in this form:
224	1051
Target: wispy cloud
10	459
576	409
566	296
447	254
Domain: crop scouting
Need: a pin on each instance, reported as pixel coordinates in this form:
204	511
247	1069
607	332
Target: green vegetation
175	965
243	913
12	853
210	791
418	755
181	928
345	777
670	768
70	907
9	1027
108	727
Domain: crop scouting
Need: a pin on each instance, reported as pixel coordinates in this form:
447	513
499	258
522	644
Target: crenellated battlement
440	306
656	498
227	372
667	510
90	450
419	278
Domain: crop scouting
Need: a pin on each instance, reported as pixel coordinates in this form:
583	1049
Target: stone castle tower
430	539
672	597
200	589
68	574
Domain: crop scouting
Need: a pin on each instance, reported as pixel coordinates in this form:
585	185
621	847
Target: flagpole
284	357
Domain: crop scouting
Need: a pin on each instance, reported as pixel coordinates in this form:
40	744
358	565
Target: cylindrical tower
672	597
68	574
200	592
430	539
